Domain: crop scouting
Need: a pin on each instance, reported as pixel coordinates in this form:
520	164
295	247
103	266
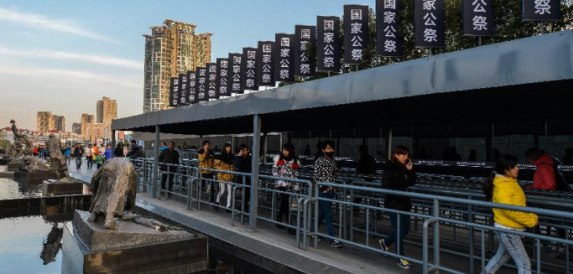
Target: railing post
470	219
155	163
254	203
436	236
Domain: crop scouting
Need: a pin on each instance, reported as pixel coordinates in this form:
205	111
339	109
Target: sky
62	56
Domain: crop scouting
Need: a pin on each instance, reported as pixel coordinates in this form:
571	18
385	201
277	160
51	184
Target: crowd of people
94	155
398	174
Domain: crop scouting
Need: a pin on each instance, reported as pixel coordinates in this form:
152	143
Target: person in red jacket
544	176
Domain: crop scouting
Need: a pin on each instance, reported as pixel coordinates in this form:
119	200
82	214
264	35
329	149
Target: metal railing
436	216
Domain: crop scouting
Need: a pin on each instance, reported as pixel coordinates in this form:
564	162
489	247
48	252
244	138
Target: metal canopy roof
498	82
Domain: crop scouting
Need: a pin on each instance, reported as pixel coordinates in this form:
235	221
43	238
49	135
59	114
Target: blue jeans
510	246
325	211
395	235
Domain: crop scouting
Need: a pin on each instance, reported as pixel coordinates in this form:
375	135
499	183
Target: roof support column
265	147
254	203
389	144
113	139
155	162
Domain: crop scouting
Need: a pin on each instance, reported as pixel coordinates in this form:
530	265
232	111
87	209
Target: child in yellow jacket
502	187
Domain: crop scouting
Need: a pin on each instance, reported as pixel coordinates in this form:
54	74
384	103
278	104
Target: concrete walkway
269	243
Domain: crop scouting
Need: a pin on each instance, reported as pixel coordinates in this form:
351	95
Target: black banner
249	69
265	64
478	18
235	63
183	89
212	81
223	77
328	43
355	33
542	10
201	84
389	42
430	27
304	37
284	61
192	90
174	92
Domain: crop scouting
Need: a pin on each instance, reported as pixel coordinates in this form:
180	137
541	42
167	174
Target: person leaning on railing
502	187
225	162
398	175
206	162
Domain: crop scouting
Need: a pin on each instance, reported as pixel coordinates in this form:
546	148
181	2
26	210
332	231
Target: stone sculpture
115	188
22	145
57	160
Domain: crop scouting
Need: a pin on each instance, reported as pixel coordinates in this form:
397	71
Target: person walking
398	175
89	156
366	166
285	165
206	159
502	188
169	160
108	152
544	175
79	155
243	164
135	151
324	171
224	162
118	151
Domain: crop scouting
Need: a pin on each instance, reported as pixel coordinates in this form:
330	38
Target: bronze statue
57	160
115	187
22	145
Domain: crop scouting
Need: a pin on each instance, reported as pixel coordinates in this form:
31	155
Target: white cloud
40	21
69	76
96	59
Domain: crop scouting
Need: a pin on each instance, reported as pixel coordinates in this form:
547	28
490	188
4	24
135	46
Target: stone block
35	176
132	248
53	188
13	167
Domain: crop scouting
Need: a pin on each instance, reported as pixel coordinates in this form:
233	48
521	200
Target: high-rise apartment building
86	119
106	110
59	123
44	121
170	50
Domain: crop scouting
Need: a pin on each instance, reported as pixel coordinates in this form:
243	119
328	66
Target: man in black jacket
135	151
243	164
169	159
398	175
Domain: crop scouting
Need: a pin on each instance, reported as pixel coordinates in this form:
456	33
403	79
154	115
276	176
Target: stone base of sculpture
61	187
131	248
13	167
4	161
35	176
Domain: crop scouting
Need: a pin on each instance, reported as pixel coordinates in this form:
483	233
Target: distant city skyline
63	56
